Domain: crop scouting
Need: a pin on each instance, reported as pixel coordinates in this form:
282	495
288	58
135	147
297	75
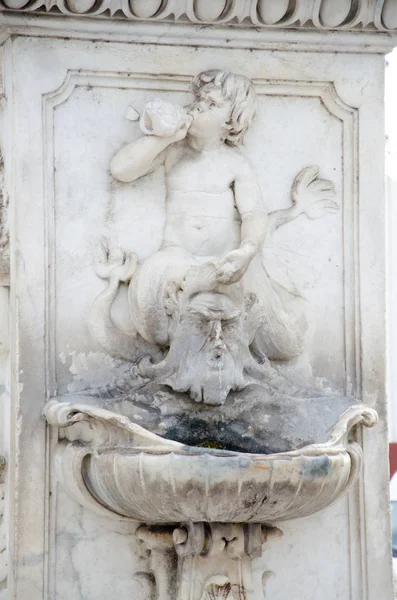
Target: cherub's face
210	112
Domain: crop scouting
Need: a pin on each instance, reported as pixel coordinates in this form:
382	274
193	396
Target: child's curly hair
240	91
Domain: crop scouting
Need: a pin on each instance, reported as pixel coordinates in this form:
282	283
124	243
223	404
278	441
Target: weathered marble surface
64	119
105	458
321	14
120	470
258	419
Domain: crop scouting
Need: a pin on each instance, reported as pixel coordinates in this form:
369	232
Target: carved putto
208	315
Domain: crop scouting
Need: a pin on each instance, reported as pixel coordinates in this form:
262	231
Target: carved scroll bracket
201	561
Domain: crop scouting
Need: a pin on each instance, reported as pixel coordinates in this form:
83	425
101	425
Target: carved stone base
206	561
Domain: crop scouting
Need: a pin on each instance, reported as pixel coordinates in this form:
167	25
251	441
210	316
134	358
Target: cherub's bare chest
205	172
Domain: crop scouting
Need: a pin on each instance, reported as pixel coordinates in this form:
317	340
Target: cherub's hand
231	267
313	196
182	132
165	120
115	263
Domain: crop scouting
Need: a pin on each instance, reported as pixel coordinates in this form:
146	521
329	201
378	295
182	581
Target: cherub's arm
254	219
254	223
143	156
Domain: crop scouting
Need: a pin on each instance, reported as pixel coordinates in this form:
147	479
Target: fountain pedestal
214	560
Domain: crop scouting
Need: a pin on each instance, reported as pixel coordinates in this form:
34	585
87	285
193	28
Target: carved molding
4	229
336	106
380	15
3	536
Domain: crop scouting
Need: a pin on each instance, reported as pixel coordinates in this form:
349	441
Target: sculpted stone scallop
123	471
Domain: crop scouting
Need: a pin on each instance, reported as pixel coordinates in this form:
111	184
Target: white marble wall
65	105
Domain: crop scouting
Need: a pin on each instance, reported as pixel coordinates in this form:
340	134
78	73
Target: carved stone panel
78	104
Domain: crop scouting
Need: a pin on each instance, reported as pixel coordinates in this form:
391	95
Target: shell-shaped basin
114	466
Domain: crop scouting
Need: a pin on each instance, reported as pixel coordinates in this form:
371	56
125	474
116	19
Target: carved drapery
380	15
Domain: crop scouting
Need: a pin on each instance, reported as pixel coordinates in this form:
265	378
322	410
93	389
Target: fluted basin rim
118	431
118	469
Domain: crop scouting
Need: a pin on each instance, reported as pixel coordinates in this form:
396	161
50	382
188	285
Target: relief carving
208	439
217	588
305	14
206	299
220	499
3	535
214	560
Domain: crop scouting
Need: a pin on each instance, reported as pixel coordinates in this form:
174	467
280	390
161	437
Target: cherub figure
216	223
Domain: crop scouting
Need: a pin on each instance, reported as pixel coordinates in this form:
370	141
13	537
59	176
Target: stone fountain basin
107	462
215	487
